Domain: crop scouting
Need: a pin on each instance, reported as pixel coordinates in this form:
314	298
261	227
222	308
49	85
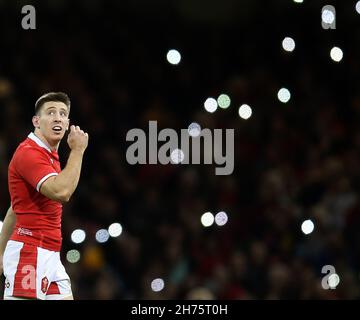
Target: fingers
74	128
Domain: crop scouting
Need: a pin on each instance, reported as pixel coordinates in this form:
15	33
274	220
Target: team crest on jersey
44	284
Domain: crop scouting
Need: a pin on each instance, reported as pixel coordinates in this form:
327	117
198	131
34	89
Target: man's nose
57	117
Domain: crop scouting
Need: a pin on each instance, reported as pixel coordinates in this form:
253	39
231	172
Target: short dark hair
52	96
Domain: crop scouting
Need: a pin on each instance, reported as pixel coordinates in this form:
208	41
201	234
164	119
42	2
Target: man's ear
36	121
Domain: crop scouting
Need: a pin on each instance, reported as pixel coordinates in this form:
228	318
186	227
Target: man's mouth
57	128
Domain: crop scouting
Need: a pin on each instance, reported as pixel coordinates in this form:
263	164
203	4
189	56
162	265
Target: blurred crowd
293	161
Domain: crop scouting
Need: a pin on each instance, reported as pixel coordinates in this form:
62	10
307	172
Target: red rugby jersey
38	218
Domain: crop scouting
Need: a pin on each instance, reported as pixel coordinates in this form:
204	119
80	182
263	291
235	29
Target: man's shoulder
28	149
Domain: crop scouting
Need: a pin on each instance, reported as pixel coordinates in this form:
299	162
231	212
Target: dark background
293	161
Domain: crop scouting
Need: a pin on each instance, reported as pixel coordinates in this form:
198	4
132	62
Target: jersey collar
41	144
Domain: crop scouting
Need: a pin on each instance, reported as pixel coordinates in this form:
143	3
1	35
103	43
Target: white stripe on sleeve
43	179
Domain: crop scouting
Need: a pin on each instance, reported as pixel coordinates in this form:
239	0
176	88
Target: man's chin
56	137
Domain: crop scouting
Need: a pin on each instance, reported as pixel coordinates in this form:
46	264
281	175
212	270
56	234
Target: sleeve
34	167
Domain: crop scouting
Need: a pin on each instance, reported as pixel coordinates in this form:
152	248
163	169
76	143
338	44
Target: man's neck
51	146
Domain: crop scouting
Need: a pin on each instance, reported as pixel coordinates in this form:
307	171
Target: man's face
52	121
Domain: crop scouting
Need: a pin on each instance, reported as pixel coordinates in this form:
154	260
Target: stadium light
173	57
78	236
194	129
221	218
328	17
115	229
102	236
157	284
207	219
336	54
245	111
333	280
284	95
73	256
288	44
307	226
224	101
210	105
177	156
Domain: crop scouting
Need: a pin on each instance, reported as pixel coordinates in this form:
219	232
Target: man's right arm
6	231
61	187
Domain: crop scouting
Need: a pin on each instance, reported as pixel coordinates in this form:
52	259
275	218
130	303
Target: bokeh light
284	95
194	129
327	16
207	219
115	229
336	54
78	236
173	57
221	218
288	44
224	101
177	156
210	105
245	111
102	236
357	7
73	256
157	284
333	280
307	226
